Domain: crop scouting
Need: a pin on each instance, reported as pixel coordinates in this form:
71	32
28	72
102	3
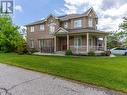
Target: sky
110	12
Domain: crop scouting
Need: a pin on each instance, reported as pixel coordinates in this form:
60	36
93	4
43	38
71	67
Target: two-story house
77	32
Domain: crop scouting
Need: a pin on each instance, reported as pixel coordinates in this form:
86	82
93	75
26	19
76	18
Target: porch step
59	52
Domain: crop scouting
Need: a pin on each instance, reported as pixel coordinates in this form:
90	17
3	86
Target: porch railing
83	49
96	48
79	49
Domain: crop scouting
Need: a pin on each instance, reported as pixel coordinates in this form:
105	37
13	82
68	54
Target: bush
32	50
91	53
22	49
69	52
106	53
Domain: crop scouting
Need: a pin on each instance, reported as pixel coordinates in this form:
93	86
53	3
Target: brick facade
71	31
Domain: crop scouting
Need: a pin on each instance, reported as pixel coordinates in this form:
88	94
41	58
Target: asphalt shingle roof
63	18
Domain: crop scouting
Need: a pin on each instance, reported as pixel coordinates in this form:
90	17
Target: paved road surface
17	81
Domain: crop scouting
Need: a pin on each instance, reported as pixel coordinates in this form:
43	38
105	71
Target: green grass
101	71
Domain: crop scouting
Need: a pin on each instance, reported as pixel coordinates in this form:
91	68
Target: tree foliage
10	39
114	40
118	38
123	27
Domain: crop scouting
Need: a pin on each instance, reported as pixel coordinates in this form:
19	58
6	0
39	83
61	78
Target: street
17	81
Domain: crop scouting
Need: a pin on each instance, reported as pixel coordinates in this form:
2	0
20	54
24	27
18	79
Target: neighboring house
77	32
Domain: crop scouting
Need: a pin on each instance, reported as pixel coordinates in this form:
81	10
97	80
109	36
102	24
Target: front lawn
101	71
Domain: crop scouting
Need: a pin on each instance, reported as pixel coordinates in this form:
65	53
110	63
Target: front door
62	44
77	43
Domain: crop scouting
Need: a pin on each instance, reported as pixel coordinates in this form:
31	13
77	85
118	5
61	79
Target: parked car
119	51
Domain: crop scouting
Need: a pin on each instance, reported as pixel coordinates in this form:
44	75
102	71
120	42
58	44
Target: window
44	43
52	27
120	49
32	44
42	27
78	41
65	24
39	43
77	23
32	28
90	22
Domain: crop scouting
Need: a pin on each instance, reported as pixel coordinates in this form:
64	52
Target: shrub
22	49
69	52
91	53
32	50
106	53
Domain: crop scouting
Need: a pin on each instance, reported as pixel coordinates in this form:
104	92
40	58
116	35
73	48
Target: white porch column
87	49
54	43
105	42
68	42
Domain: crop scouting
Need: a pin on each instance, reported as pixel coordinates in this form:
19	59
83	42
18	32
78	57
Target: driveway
17	81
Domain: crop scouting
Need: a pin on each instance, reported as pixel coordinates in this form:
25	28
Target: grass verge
102	71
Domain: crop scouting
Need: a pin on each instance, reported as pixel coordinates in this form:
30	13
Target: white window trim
32	43
76	22
42	27
91	41
32	28
65	24
39	43
90	22
76	42
51	27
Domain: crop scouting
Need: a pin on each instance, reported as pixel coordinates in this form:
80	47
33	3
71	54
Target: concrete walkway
52	54
17	81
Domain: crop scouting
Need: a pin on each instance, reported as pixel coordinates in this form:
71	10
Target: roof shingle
64	17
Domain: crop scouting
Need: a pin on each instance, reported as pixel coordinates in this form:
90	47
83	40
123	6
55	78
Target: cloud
18	8
106	4
110	12
120	11
108	24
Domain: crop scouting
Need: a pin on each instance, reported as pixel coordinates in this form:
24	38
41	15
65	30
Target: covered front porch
80	43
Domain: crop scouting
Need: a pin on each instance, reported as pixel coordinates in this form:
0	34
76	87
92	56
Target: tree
10	39
123	27
114	40
119	38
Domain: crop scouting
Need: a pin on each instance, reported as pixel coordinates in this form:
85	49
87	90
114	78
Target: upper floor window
52	27
77	24
90	22
65	24
42	27
32	29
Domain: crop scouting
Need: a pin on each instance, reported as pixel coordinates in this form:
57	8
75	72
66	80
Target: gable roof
72	16
61	31
88	12
36	22
64	17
